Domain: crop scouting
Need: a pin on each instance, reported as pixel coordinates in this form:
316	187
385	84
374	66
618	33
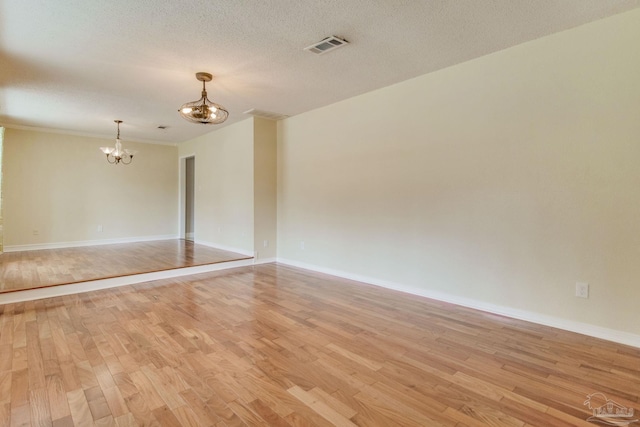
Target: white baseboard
94	285
79	243
225	248
257	261
529	316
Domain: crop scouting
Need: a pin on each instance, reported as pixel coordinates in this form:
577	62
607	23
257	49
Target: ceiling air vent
326	45
265	114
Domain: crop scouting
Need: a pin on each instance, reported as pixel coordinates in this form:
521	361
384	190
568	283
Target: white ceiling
76	65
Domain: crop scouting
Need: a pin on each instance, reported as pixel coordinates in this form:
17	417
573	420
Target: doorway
189	202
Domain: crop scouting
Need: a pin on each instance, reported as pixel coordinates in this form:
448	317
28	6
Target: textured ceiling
76	65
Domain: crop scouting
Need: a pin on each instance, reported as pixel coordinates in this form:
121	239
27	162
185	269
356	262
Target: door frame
183	195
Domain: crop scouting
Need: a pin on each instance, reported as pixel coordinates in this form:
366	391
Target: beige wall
224	186
505	179
62	187
265	187
235	187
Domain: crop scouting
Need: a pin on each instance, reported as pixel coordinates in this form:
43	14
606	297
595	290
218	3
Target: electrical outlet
99	229
36	232
265	243
582	289
302	245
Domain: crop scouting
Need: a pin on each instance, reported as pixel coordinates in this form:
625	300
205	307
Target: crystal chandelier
203	110
116	154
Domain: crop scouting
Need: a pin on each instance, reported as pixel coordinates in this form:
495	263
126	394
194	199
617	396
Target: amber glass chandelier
203	110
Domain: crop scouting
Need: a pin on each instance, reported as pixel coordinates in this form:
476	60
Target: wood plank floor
50	267
272	345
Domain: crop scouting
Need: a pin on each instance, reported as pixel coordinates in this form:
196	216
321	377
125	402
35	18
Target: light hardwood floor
272	345
51	267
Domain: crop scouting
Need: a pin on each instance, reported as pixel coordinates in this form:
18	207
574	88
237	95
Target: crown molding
84	134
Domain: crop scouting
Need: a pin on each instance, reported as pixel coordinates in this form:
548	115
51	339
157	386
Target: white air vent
326	45
265	114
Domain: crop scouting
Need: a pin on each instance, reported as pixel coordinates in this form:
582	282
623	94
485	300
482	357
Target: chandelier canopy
117	154
203	110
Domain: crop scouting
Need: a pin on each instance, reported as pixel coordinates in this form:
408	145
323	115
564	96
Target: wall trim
79	243
86	134
94	285
613	335
225	248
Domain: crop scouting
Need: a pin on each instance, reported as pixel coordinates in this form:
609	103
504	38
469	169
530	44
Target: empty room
320	213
